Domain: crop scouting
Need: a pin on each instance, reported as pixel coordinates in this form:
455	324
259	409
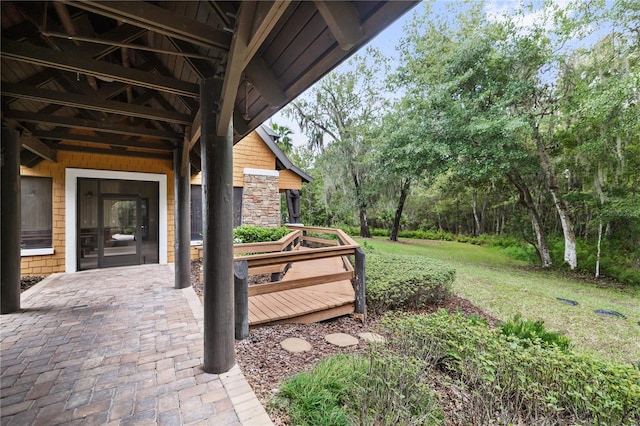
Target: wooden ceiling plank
199	66
59	135
96	126
86	102
343	22
265	18
152	62
26	52
158	19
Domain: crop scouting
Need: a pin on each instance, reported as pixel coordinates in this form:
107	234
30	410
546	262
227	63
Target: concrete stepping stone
295	345
341	339
371	337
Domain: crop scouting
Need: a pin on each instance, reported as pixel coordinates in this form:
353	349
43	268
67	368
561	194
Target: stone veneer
261	198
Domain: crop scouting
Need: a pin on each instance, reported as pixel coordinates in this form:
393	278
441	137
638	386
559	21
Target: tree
406	154
284	141
337	116
462	81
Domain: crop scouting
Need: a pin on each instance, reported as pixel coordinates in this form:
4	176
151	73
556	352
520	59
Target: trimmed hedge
397	281
257	234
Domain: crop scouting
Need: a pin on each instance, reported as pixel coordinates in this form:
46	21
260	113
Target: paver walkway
115	346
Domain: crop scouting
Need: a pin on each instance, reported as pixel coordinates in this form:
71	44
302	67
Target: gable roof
282	161
126	74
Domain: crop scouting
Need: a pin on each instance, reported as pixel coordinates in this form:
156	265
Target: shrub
532	331
381	388
257	234
511	380
397	281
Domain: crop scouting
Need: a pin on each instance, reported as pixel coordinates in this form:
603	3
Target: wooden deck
306	304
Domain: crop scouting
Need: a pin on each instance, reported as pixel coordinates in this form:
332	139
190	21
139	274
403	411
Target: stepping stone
295	345
567	301
372	337
609	313
341	339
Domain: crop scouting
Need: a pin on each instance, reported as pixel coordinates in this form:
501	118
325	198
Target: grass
501	286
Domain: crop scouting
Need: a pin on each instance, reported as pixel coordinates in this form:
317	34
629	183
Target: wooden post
217	232
182	218
361	303
241	293
11	222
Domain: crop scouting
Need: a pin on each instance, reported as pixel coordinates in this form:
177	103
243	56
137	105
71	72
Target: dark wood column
10	222
217	232
182	219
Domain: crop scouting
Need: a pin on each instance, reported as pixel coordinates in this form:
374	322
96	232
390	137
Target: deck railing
276	257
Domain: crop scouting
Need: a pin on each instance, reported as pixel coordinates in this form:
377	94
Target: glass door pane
121	234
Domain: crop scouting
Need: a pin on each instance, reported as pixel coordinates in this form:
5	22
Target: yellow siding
44	265
289	180
253	153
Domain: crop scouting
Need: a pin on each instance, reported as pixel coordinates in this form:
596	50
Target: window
35	198
196	213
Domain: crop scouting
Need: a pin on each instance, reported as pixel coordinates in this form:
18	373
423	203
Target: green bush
534	331
319	397
257	234
397	281
381	388
511	380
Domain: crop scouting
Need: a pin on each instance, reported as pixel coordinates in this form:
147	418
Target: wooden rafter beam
266	83
200	66
26	52
35	145
58	135
159	20
87	102
93	125
254	24
118	152
343	22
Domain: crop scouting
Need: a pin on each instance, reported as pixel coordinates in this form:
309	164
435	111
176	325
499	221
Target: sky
388	40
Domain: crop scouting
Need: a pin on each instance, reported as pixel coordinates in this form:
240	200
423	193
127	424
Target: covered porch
172	84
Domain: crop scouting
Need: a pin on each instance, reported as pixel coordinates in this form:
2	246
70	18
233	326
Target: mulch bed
264	363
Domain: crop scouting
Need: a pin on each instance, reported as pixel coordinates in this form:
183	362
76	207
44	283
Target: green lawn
499	285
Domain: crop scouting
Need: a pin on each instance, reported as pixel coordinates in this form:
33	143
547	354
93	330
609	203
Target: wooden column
182	218
241	290
10	222
217	232
361	304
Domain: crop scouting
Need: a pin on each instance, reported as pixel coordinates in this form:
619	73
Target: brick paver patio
115	346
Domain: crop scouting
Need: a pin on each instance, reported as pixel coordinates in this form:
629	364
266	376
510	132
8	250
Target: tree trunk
362	209
404	192
474	205
527	201
599	242
570	255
